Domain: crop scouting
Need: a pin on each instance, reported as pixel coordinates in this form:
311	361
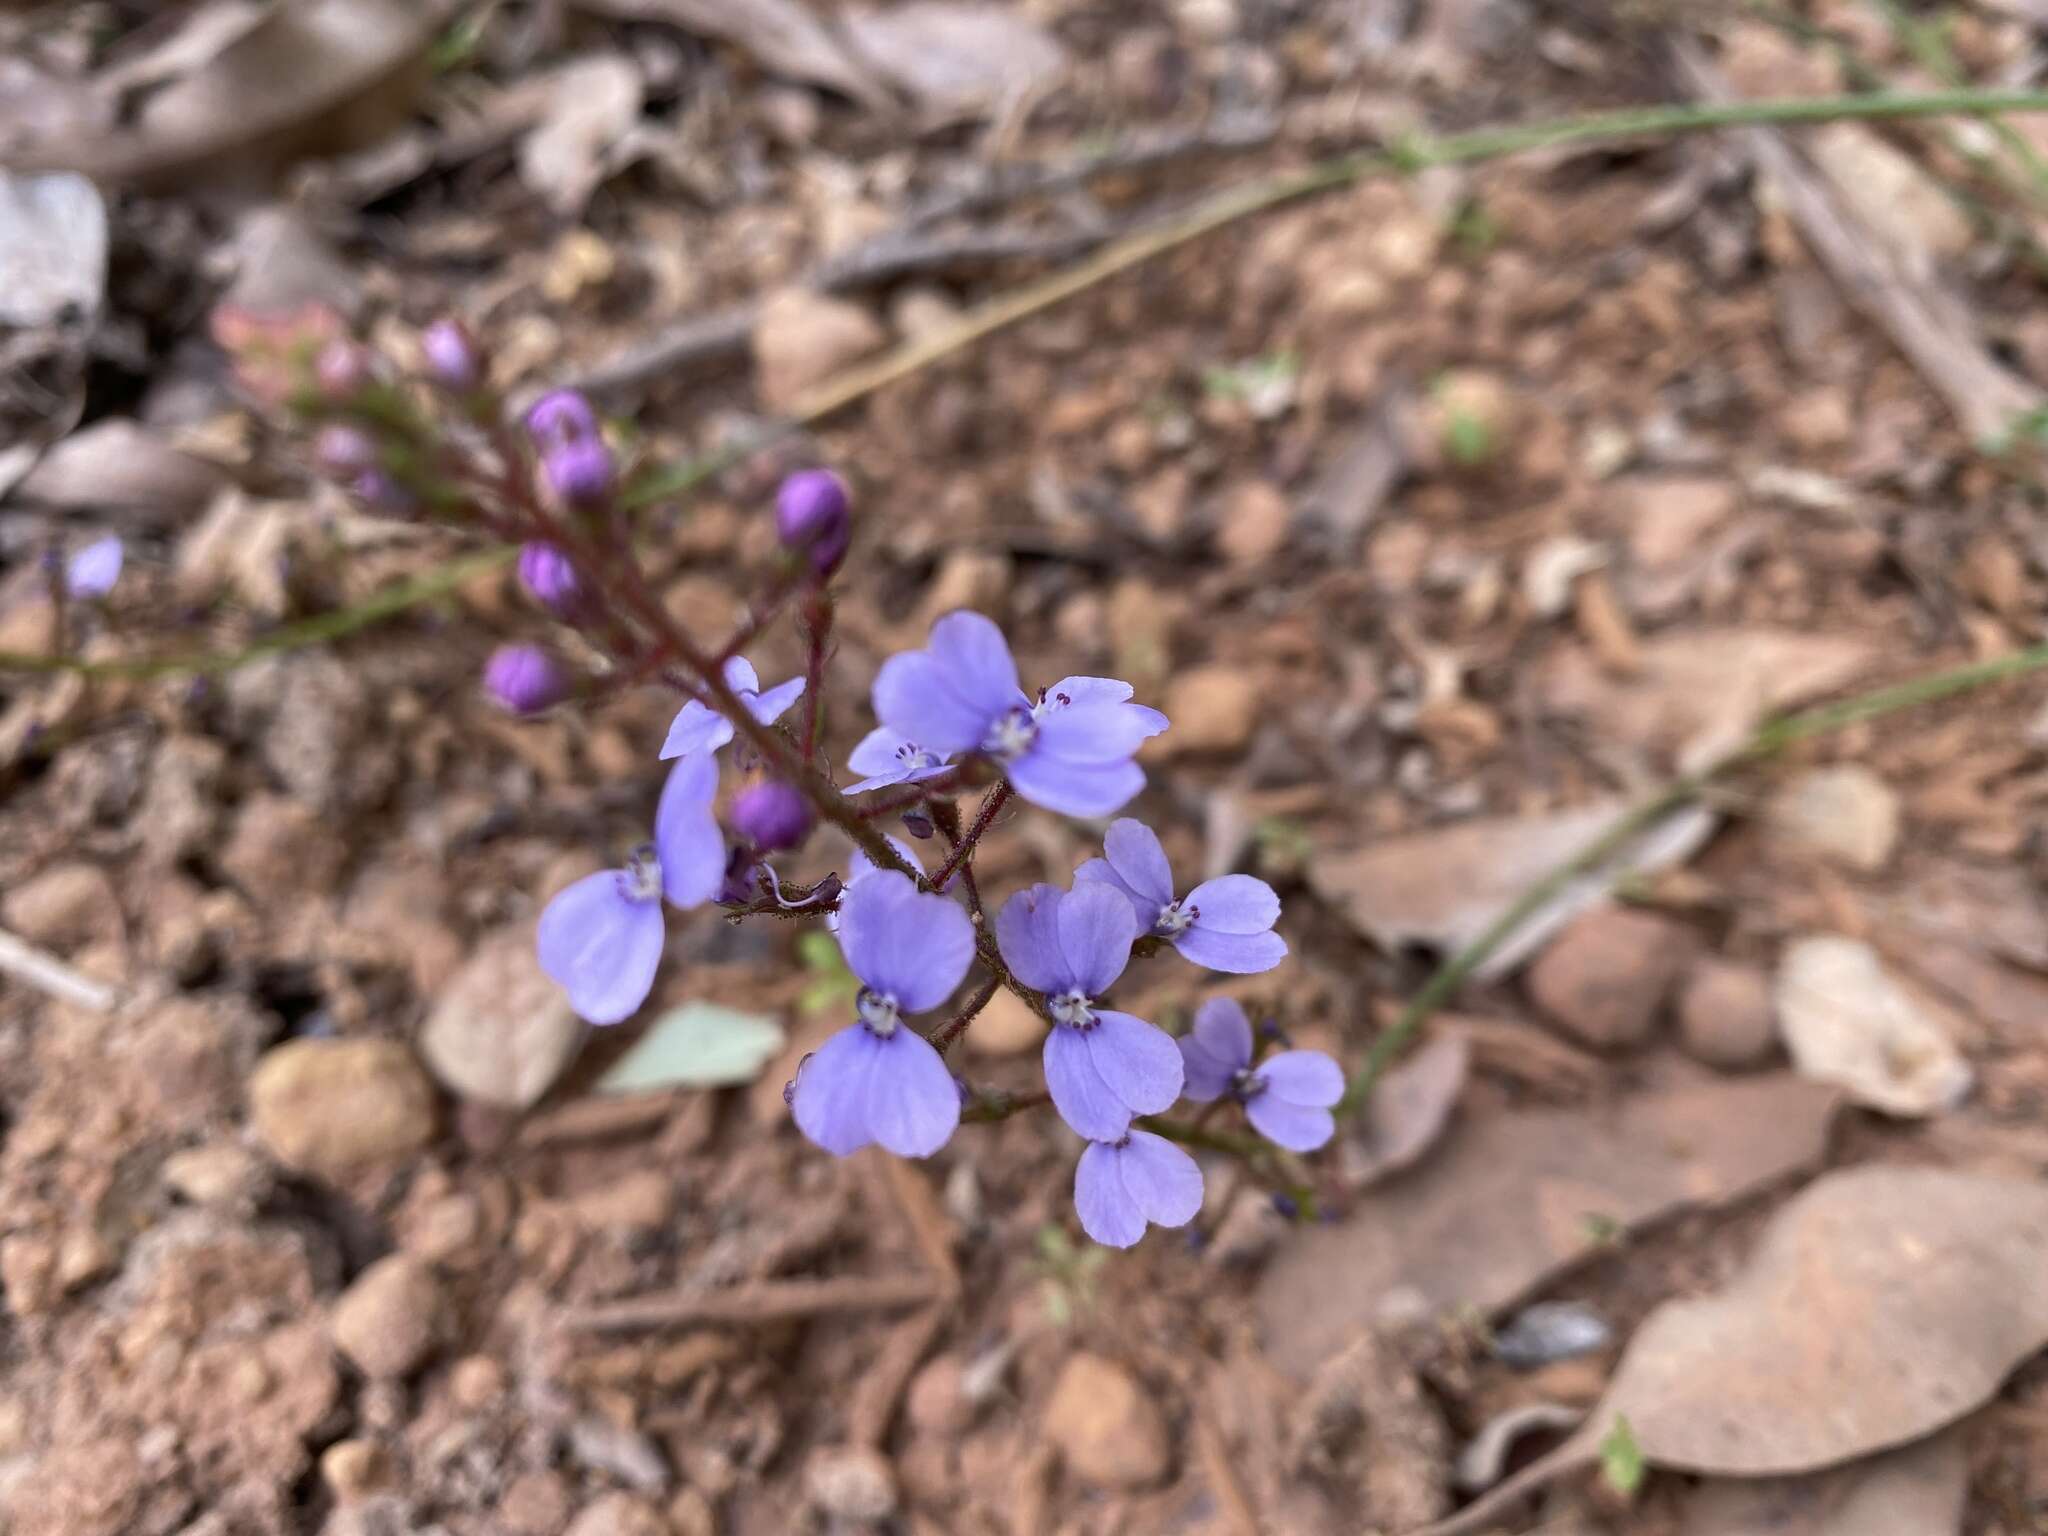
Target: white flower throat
1072	1009
879	1011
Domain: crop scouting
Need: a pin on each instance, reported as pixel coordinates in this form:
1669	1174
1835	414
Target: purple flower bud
546	573
377	491
341	369
579	471
451	356
812	517
771	815
918	824
344	451
524	679
559	417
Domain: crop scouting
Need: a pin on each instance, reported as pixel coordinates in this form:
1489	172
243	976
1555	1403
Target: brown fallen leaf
1846	1021
1882	1305
783	37
1916	1491
115	463
958	57
593	105
1444	887
1408	1111
1515	1198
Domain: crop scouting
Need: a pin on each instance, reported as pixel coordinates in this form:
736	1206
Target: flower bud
560	416
378	492
579	472
341	369
451	356
771	815
524	679
812	517
918	823
546	573
344	452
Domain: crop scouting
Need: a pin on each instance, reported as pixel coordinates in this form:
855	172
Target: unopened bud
524	679
579	472
771	815
343	451
813	517
378	492
918	823
451	356
546	573
560	416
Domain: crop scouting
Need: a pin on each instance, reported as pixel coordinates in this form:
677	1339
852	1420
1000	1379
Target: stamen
879	1011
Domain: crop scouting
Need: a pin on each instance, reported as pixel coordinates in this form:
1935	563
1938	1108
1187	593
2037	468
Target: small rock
619	1514
327	1106
1724	1015
1006	1027
619	1452
180	810
638	1202
935	1404
224	1175
1253	522
1468	421
534	1504
852	1482
63	906
281	852
1668	519
1845	1020
802	338
1106	1427
390	1320
502	1031
1213	709
352	1468
440	1230
1551	1331
1846	812
1605	977
476	1382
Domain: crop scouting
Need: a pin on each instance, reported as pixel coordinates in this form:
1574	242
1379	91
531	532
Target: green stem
1766	741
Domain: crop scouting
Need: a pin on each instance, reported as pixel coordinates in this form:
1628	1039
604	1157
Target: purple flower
450	355
344	451
859	866
524	679
377	491
93	570
579	473
560	416
600	938
887	758
1102	1067
771	815
811	517
878	1081
546	573
698	727
1225	924
1070	751
1121	1185
1287	1097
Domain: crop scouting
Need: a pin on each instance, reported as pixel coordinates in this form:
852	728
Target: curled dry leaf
1409	1109
1514	1198
958	57
1483	1461
1846	1021
1443	888
1882	1305
1916	1491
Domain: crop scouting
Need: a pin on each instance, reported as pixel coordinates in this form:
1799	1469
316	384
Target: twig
760	1301
598	1119
943	1037
46	973
1221	1472
910	1192
881	1386
963	850
1766	741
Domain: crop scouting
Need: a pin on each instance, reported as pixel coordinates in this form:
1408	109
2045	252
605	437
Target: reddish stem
817	634
943	1037
963	850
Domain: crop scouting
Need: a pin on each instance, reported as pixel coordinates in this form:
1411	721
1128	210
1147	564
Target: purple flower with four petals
698	727
879	1081
1070	751
1225	924
1287	1097
1101	1067
601	937
1121	1185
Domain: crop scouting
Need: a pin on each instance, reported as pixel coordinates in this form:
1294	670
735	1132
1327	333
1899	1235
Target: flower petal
768	706
1027	935
601	946
1078	1092
696	728
833	1090
913	698
913	946
1139	1062
1099	872
1096	927
93	570
1293	1126
1108	1213
1216	1049
976	661
741	677
1091	733
1161	1179
876	754
1234	904
913	1102
687	840
1133	851
1241	954
1307	1078
1075	789
1087	690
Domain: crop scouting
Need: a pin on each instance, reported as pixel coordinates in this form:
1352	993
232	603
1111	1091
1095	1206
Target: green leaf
1621	1459
699	1045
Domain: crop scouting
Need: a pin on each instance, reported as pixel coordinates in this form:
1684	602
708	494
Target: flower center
1073	1009
879	1011
1246	1084
640	880
911	755
1011	732
1174	919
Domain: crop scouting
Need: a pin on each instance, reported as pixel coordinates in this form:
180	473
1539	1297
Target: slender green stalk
1224	208
1766	741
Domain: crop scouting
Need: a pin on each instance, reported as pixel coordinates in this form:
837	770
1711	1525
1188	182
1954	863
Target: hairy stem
943	1037
963	847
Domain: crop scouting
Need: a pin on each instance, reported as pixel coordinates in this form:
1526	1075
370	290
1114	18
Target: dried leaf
593	105
1516	1197
1409	1109
1445	887
502	1032
783	37
699	1045
1846	1021
1917	1491
53	249
958	57
116	463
